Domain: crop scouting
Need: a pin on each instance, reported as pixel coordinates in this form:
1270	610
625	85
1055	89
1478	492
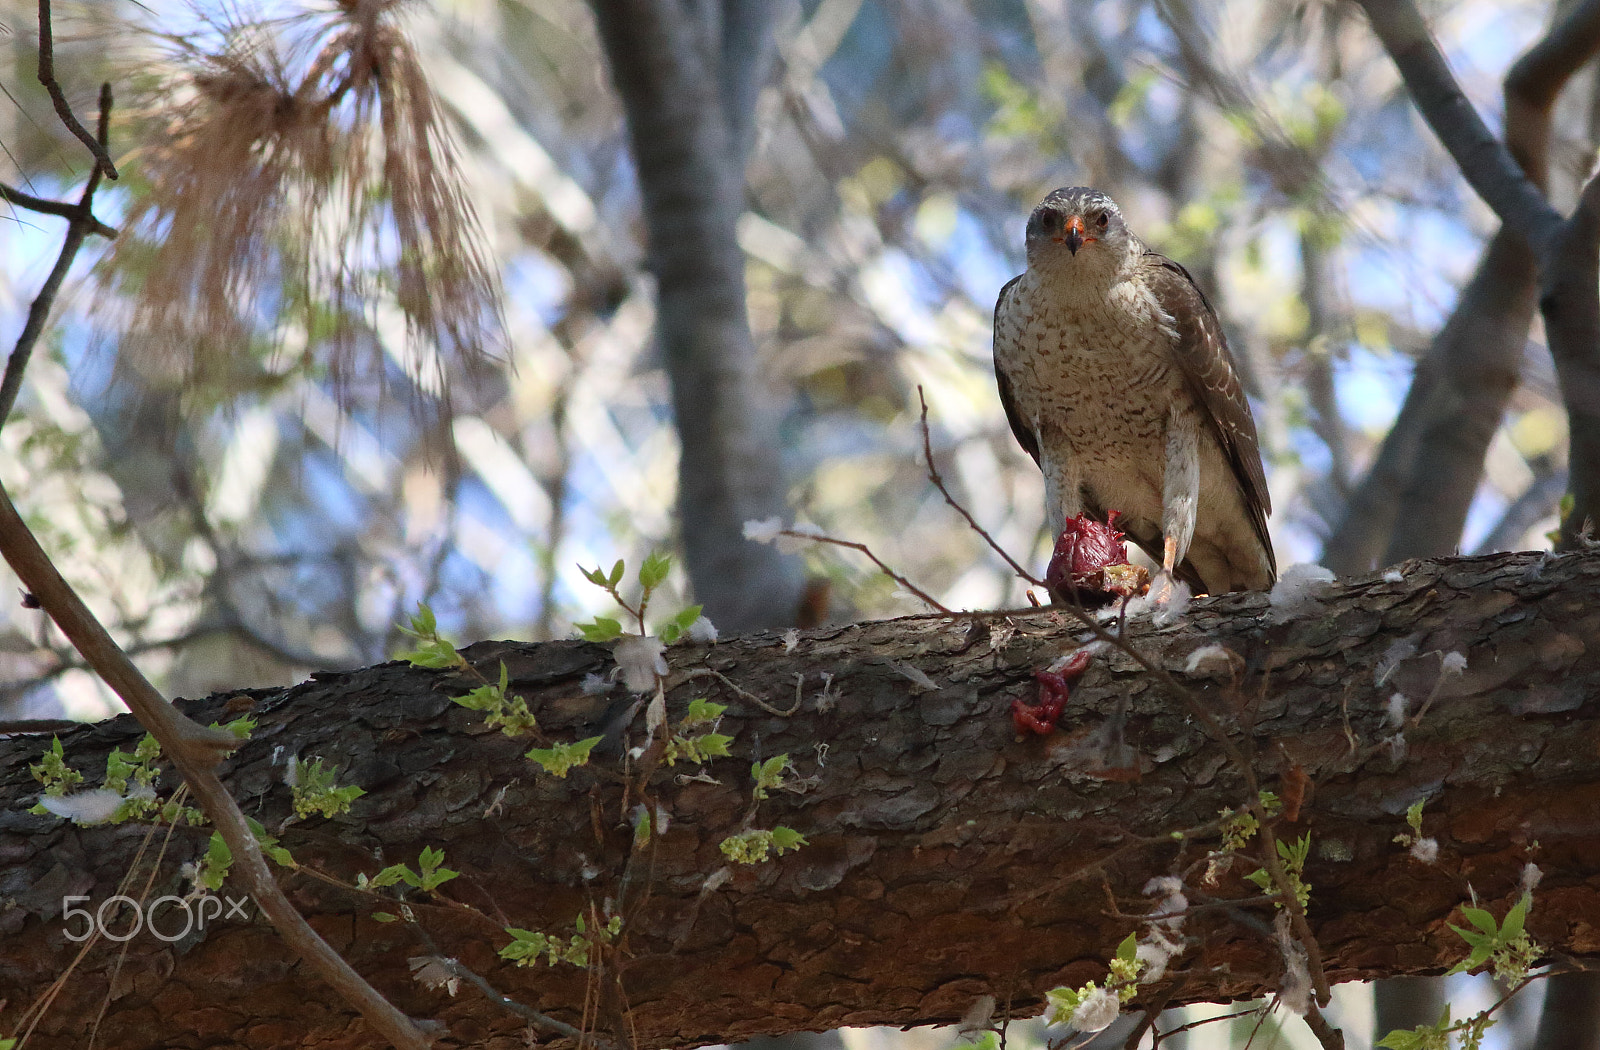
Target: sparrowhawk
1116	378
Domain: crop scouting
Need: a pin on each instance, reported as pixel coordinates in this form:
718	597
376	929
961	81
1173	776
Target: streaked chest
1079	360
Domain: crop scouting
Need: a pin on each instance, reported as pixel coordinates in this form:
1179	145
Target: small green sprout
753	847
507	713
431	876
1238	827
528	945
315	790
239	727
431	650
601	629
213	867
679	625
1293	857
269	845
652	574
129	782
1414	821
688	745
1436	1036
53	772
561	759
1506	944
768	775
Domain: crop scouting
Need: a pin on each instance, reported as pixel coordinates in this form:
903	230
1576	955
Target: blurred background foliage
277	506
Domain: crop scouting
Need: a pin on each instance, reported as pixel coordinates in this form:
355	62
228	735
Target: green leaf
1128	950
424	623
654	571
219	858
383	916
603	629
241	727
563	758
1414	815
437	654
786	839
1482	919
616	574
394	874
1511	929
703	710
688	616
714	745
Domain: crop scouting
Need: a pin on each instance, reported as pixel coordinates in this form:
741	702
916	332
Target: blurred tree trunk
1413	501
688	75
1570	1019
946	859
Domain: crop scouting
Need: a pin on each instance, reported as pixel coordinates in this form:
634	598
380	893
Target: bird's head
1080	229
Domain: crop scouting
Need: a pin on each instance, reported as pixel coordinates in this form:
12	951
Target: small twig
527	1013
1099	865
1152	1010
47	77
1290	901
938	483
45	206
1205	1021
818	537
1330	1037
78	228
743	693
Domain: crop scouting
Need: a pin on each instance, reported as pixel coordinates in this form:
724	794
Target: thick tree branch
946	859
1413	502
1571	307
1484	161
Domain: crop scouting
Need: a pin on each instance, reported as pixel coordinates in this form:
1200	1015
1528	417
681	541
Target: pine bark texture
947	859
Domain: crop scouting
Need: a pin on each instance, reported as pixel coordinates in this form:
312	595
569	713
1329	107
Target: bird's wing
1202	352
1025	435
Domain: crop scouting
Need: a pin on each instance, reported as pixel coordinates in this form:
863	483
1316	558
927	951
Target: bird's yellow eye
1103	221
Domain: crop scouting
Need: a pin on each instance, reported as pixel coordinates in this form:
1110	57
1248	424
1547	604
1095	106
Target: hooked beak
1072	234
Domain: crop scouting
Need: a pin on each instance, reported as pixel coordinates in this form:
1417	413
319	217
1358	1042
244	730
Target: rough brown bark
946	858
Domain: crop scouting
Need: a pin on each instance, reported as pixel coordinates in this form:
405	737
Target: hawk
1117	380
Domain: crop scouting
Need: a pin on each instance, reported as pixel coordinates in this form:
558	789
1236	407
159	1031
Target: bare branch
47	77
818	537
80	223
1330	1037
1484	160
45	206
938	483
195	750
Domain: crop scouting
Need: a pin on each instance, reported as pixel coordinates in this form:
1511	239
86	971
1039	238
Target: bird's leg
1180	494
1063	490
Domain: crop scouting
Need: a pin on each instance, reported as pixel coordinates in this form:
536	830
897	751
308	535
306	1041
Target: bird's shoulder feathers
1201	351
1019	427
